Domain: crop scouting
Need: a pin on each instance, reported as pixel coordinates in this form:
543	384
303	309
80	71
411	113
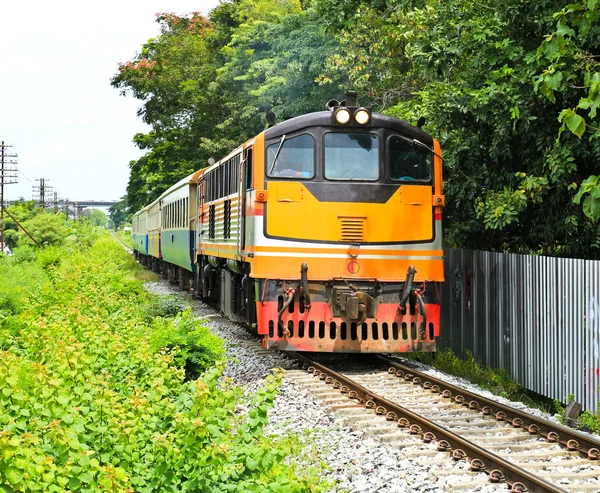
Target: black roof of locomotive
325	119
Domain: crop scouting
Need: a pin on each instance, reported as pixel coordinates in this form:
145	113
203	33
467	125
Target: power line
23	175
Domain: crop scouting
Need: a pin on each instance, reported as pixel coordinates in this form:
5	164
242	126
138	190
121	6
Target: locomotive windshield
351	156
295	157
408	162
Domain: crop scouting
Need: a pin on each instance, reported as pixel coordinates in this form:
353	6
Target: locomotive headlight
362	116
342	116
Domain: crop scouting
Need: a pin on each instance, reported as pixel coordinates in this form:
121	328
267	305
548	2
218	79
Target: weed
191	343
91	400
165	306
590	421
50	257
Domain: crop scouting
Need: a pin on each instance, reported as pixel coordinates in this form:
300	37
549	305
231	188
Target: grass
123	237
499	382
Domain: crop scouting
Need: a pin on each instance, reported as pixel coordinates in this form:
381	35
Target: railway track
441	423
460	433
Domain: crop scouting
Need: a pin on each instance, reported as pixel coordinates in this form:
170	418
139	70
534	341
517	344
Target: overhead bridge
93	203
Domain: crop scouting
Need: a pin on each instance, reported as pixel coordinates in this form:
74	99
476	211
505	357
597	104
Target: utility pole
55	202
42	190
7	177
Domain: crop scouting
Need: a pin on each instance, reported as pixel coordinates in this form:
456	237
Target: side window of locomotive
407	161
248	170
296	159
351	156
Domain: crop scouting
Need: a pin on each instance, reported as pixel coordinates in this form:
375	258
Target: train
323	233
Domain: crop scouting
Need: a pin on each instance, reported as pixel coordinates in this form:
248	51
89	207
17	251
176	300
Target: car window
295	159
351	156
407	161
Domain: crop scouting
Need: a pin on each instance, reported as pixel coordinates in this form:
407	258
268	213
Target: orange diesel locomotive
324	233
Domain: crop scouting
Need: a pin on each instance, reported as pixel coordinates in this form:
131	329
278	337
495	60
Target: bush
25	253
191	343
18	281
90	403
165	306
46	228
590	421
83	234
50	257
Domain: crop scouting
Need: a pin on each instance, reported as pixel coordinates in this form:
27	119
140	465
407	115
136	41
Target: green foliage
590	421
46	228
16	278
165	306
21	211
206	83
194	347
496	380
172	75
573	70
25	254
52	231
50	257
118	213
590	188
82	234
559	410
510	92
88	404
587	420
175	329
97	218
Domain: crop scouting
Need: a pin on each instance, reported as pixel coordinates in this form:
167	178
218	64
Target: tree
480	74
118	213
171	76
47	228
573	72
98	218
206	84
22	211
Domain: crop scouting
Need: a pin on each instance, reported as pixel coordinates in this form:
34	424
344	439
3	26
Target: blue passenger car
179	210
139	232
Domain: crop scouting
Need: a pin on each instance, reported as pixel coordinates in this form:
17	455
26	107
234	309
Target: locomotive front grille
350	337
352	229
364	331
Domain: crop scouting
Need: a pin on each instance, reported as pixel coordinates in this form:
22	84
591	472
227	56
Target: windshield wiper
418	143
277	154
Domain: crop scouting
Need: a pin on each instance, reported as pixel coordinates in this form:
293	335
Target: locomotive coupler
353	303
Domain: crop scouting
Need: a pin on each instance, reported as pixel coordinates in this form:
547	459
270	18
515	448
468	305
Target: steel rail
498	469
571	439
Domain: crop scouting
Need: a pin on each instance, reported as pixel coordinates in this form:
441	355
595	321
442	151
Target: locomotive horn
271	119
332	103
351	99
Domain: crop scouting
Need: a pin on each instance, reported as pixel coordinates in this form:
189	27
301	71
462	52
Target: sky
64	120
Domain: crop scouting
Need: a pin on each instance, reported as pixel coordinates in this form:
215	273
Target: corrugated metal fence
538	317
